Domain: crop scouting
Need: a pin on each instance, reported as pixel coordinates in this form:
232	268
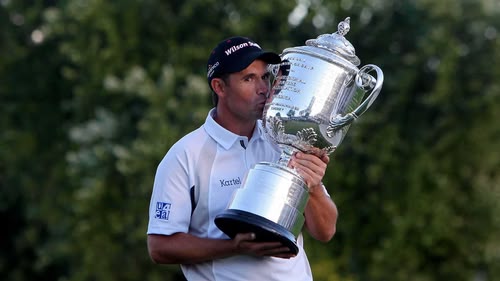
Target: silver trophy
319	91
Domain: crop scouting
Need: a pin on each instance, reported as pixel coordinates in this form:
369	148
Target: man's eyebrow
254	74
251	74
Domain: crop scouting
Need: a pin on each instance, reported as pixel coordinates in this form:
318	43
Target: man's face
246	91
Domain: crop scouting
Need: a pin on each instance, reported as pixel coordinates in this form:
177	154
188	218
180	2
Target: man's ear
218	86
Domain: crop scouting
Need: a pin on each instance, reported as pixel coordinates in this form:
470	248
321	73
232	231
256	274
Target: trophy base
232	222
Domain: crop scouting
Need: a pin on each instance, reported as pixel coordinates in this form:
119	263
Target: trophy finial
337	43
344	26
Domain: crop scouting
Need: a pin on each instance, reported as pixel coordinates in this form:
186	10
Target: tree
93	93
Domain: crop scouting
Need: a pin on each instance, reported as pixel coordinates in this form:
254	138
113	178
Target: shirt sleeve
170	205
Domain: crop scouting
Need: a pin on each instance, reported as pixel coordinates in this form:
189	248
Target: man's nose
264	87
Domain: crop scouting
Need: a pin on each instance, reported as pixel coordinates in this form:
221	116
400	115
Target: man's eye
266	76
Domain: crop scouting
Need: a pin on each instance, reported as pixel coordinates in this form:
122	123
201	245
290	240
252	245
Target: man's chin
260	114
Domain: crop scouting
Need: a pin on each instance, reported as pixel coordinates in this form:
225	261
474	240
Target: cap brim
269	57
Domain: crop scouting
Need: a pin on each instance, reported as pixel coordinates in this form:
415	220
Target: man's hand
312	168
245	244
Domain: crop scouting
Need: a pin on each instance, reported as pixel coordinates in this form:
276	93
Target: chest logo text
231	182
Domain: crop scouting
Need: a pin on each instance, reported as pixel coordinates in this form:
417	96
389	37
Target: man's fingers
245	237
246	242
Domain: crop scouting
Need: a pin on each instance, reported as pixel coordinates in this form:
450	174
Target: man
188	194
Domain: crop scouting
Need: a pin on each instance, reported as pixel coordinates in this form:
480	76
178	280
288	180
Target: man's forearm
321	216
183	248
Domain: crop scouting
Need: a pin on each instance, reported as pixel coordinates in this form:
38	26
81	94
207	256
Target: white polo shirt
195	182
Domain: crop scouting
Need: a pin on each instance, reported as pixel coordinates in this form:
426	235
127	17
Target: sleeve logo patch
162	210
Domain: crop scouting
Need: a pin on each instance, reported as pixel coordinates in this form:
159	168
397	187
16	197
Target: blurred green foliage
93	93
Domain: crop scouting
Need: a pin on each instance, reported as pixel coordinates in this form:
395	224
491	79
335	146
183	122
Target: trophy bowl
317	94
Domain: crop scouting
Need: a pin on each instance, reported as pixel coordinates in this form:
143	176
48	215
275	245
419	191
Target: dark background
93	94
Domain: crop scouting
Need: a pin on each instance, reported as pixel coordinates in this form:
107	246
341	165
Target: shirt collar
225	137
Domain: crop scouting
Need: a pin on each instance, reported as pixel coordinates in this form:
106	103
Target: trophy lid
337	43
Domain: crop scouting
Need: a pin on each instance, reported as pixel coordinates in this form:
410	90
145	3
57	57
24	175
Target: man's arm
183	248
321	215
320	212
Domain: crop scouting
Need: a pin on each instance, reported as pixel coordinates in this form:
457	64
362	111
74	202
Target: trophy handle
365	82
